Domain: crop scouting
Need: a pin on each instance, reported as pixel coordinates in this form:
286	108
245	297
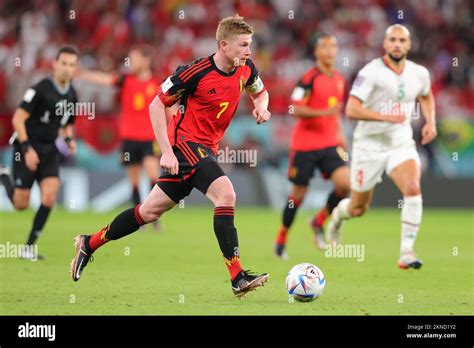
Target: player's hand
261	115
428	133
72	147
169	163
31	159
334	110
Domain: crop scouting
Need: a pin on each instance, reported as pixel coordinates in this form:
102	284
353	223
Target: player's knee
226	198
21	201
343	189
21	204
48	200
412	189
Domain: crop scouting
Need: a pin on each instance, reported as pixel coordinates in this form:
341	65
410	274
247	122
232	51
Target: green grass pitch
180	271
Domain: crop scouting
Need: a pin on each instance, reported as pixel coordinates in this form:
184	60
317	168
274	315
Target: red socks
99	239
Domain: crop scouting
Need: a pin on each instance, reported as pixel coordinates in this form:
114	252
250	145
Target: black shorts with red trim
303	163
198	168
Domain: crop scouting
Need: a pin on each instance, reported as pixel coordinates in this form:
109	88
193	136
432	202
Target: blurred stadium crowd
32	31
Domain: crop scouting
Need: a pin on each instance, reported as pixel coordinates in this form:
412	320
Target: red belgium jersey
135	97
209	98
318	91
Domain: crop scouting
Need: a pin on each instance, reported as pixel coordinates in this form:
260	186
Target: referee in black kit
42	114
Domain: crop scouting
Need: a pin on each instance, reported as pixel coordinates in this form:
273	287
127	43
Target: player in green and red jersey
317	141
208	91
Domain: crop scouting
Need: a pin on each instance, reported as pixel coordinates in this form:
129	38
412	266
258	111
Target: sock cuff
343	208
138	217
296	202
413	199
224	211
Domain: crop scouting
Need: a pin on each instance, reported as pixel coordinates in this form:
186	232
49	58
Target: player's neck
397	66
325	69
143	74
222	63
62	84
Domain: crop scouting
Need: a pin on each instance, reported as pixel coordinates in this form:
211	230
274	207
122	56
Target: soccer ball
305	282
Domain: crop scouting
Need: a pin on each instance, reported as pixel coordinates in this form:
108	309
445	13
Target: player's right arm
97	77
299	99
31	157
168	160
169	95
357	111
362	87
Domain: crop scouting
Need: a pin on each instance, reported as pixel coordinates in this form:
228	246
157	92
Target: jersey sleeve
176	86
363	84
31	98
302	90
425	81
254	84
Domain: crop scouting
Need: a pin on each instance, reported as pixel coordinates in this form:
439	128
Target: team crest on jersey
202	152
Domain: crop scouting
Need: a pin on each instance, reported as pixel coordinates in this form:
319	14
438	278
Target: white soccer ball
305	282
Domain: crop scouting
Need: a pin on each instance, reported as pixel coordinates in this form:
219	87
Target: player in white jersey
383	99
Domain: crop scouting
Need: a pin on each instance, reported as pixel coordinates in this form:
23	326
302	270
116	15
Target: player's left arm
342	136
68	132
260	97
260	102
428	107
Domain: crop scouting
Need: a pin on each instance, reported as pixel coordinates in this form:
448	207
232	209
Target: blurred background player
383	99
137	89
317	140
209	91
44	110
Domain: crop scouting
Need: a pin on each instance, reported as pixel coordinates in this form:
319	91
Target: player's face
65	66
397	44
138	61
326	50
237	49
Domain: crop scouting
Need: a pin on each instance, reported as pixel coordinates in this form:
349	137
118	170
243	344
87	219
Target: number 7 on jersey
224	106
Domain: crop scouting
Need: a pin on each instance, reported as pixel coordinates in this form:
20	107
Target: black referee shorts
198	168
303	163
48	165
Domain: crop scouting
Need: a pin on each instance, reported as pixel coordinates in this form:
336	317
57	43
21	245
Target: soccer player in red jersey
317	140
208	91
137	90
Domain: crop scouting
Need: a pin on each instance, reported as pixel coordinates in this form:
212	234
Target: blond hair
230	26
403	28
